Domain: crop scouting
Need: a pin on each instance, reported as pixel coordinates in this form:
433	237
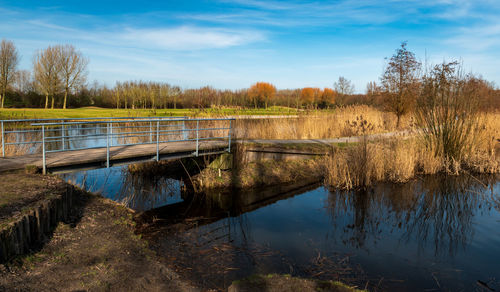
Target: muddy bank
95	249
282	283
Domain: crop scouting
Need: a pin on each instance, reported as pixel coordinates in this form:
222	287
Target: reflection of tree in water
146	190
437	210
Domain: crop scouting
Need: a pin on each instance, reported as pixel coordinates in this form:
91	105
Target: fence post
197	136
3	141
107	146
157	140
229	146
44	161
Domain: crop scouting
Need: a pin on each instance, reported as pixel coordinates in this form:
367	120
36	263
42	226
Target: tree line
59	79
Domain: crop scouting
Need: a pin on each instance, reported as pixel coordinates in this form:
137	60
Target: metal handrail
4	132
158	127
90	119
130	121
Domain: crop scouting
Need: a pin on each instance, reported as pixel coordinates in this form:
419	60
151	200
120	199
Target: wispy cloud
190	38
478	38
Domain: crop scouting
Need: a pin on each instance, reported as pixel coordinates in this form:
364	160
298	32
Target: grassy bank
91	112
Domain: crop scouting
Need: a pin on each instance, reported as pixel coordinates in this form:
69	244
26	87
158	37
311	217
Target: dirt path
98	251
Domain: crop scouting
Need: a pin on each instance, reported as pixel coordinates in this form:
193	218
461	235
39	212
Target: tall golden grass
398	161
319	125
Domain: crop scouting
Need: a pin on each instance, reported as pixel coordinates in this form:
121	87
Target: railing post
107	146
197	136
229	143
3	141
150	132
44	161
158	141
184	132
111	133
63	134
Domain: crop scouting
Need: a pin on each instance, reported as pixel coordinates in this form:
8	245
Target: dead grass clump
427	163
400	160
265	173
363	165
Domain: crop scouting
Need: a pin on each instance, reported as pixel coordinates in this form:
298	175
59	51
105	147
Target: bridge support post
107	146
44	161
197	136
158	141
3	141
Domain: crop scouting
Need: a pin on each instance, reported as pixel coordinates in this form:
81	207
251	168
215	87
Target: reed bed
398	160
319	125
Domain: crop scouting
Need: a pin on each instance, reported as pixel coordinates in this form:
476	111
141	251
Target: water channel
434	233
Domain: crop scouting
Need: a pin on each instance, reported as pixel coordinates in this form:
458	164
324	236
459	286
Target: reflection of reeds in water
437	211
20	149
141	191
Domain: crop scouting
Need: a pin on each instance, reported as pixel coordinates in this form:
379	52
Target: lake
434	233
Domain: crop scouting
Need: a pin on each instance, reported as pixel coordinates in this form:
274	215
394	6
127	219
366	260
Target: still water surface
436	233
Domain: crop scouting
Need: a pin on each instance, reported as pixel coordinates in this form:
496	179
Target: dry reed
319	125
398	161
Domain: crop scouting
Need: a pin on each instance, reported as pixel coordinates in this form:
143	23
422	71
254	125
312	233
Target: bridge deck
118	154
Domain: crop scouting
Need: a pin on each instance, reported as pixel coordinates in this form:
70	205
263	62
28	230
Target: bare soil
97	252
19	191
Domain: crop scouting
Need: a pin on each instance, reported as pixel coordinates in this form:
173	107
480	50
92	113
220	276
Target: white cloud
189	38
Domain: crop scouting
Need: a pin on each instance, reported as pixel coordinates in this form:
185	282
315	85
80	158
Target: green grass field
92	112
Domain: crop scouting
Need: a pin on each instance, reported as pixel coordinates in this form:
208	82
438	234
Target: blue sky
232	44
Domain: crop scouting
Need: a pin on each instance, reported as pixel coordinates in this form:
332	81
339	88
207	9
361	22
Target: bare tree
46	68
373	92
23	82
400	81
343	87
8	63
73	69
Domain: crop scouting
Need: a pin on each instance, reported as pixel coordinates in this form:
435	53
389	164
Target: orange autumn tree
310	96
327	97
261	92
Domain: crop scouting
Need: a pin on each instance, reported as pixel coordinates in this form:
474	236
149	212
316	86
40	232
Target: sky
233	44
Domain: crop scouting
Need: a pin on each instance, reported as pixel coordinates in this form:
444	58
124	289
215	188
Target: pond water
435	233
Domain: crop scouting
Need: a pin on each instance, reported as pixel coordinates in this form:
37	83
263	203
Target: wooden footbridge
68	144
